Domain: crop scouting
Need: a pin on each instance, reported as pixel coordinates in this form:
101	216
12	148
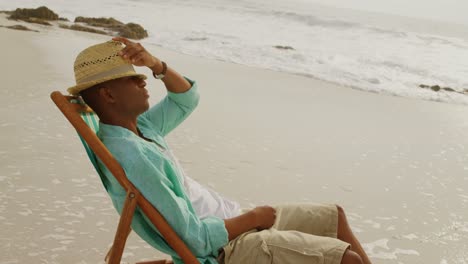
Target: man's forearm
240	224
173	81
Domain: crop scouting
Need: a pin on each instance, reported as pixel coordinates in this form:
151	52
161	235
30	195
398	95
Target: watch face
158	76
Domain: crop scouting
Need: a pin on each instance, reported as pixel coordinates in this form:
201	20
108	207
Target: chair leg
110	249
123	229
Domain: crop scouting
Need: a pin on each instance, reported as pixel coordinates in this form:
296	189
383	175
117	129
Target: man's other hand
265	217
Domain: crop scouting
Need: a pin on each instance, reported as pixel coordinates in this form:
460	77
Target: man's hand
136	54
265	217
262	217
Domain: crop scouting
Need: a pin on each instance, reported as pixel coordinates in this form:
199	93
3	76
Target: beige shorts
302	233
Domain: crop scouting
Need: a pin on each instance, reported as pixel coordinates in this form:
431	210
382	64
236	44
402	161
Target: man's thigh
275	246
310	218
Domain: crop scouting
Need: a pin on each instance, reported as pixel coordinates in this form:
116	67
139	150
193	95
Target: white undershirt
205	201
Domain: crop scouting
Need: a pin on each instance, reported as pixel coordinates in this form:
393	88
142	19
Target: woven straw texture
100	63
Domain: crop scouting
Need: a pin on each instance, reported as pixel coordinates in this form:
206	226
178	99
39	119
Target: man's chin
146	106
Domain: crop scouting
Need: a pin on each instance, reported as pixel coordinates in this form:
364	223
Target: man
213	227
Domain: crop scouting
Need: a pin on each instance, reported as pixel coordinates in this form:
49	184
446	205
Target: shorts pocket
279	254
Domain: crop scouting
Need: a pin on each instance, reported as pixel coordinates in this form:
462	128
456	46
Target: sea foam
297	38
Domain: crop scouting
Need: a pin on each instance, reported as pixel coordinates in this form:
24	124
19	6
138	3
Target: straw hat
100	63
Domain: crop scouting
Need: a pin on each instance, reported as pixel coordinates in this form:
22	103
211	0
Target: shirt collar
106	130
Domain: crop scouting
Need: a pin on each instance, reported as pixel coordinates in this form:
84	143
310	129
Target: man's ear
106	94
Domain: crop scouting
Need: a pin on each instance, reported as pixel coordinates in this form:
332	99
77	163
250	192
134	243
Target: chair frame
133	199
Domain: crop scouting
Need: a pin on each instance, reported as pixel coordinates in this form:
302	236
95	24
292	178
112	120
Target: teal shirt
158	179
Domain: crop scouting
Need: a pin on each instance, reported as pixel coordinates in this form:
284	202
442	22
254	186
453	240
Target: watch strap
163	73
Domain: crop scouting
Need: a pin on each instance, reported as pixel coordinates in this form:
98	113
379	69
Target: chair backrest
80	116
92	120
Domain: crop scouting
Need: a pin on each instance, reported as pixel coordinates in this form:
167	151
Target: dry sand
398	166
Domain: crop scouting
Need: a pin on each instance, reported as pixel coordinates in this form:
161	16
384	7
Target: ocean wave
362	56
314	21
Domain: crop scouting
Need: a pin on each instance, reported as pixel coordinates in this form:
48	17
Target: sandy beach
398	166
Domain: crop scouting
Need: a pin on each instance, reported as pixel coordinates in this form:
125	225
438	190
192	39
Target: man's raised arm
137	55
182	97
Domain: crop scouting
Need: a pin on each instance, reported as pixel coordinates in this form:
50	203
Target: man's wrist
253	216
157	67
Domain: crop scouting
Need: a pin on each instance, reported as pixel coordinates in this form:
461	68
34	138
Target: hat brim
75	90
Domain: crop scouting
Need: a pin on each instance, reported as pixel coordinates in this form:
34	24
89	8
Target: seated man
213	227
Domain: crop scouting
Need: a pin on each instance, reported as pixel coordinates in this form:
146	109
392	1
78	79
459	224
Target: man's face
130	95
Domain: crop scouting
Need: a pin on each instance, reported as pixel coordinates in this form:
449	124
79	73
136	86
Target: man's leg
346	234
351	257
318	219
293	247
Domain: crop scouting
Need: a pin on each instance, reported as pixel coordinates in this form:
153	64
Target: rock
36	21
435	88
283	47
196	38
133	31
129	30
39	15
19	27
99	22
42	12
448	89
83	28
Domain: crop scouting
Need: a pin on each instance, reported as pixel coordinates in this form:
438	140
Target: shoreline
428	91
396	164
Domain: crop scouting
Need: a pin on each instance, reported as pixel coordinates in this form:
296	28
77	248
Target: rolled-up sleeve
173	109
204	237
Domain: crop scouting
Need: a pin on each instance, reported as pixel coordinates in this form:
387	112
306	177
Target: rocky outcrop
133	31
40	15
129	30
20	27
108	26
83	28
99	22
42	12
283	47
437	88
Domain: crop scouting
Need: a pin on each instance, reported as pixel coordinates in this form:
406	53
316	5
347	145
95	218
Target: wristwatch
163	73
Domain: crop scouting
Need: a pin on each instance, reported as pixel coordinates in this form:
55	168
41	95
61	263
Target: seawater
318	42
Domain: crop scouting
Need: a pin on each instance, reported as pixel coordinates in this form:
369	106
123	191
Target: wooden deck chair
85	121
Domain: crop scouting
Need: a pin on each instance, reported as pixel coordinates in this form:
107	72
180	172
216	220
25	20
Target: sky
444	10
